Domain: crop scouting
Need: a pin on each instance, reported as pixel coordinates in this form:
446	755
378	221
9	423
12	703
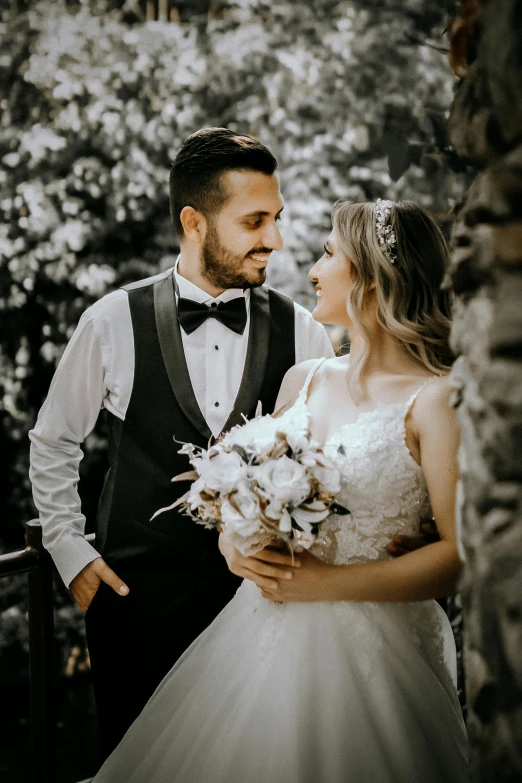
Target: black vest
143	455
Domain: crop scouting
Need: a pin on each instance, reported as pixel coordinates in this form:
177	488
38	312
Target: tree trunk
486	275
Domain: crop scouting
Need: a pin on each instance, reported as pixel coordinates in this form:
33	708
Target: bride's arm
430	572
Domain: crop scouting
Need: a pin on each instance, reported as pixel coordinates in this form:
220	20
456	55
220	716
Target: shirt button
216	347
216	405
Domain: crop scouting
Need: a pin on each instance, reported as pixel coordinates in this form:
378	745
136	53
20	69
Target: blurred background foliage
352	96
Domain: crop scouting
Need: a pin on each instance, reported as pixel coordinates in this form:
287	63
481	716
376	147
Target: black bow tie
232	314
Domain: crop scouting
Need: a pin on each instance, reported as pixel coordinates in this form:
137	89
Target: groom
182	355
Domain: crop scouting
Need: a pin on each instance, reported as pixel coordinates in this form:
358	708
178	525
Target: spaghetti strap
304	391
414	396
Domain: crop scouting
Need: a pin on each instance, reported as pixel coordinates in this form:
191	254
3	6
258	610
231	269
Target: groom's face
241	237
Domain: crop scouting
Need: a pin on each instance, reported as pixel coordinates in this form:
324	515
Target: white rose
243	520
283	480
257	435
222	470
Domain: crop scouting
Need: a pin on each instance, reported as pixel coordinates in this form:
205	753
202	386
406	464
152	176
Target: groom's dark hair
195	176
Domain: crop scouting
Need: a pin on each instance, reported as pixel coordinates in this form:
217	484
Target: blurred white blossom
95	279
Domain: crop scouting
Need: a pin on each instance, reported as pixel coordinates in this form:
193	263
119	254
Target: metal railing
36	562
162	10
145	10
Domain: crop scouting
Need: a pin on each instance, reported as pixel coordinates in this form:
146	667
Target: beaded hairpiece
385	233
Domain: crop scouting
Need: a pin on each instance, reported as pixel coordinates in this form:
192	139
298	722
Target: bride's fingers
395	548
409	543
264	569
271	596
277	558
261	581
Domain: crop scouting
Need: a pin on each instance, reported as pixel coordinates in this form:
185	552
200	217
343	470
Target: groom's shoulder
304	314
148	281
298	310
108	306
270	291
116	303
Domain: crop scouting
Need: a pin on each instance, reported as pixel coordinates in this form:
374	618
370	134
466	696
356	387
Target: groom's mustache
259	250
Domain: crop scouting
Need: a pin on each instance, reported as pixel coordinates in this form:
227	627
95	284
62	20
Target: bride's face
331	275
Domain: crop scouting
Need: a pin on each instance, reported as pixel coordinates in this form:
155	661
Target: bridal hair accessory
385	233
262	483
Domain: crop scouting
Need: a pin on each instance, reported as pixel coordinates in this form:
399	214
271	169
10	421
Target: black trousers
133	643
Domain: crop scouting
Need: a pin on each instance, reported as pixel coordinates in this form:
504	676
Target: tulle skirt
304	693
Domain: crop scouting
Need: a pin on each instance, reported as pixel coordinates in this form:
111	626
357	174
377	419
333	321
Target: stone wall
486	275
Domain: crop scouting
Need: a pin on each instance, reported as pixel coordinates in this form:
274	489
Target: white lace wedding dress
322	692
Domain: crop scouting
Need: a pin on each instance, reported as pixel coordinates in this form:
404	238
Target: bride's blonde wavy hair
411	304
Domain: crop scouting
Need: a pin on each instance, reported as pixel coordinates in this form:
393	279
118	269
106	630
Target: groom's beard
225	269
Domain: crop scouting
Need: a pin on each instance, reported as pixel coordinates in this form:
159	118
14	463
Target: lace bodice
382	485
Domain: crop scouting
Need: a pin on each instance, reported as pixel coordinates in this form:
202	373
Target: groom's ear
194	225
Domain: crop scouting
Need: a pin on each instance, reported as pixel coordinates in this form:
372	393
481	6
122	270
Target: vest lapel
173	354
256	358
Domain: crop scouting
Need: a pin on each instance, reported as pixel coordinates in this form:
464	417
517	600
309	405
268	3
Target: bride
340	667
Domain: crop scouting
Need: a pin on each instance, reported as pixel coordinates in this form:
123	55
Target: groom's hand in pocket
85	585
264	568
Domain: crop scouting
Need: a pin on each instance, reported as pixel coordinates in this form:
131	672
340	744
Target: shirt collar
188	290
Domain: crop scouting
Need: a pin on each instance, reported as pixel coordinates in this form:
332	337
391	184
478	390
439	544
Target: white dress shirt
97	371
215	356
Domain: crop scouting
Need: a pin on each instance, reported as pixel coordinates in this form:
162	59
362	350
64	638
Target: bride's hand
310	583
401	545
267	568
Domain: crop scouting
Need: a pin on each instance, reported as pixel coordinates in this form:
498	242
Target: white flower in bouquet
194	497
283	480
328	477
256	436
276	512
310	514
221	470
323	469
240	516
299	443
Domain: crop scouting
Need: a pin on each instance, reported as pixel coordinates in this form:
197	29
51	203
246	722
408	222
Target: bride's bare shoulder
299	372
433	404
295	379
435	393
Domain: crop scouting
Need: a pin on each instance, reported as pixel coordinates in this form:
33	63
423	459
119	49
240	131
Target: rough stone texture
486	275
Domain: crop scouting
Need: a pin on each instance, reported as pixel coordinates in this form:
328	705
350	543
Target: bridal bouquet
261	485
